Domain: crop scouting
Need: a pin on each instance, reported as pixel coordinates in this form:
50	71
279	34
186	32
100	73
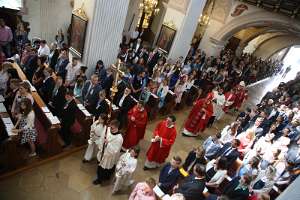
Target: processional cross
114	88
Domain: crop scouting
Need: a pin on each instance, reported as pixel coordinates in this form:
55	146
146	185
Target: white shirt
121	100
126	164
134	34
72	72
29	120
44	50
226	135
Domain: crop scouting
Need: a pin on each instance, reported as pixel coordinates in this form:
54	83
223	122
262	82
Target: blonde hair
251	133
264	196
151	182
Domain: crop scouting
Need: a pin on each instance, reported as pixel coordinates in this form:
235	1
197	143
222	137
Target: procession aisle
69	178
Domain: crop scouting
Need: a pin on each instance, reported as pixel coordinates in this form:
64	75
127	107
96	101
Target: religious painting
166	37
78	30
239	9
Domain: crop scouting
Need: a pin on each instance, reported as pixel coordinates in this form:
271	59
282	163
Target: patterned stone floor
69	179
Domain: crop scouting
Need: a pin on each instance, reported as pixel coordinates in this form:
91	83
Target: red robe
229	100
199	116
159	151
136	129
241	96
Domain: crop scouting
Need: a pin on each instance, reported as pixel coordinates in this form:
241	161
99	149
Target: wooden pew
11	157
169	103
46	124
152	106
85	120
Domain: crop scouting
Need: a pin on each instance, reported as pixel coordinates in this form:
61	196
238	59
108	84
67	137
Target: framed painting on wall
78	31
166	37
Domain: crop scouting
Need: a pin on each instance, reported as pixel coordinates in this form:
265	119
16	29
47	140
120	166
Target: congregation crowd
255	157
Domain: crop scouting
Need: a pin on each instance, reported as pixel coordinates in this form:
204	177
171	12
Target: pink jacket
142	192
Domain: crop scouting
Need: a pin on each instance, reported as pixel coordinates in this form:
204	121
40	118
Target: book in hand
158	191
2	99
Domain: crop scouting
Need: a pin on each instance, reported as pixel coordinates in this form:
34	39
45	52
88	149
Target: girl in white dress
97	130
125	168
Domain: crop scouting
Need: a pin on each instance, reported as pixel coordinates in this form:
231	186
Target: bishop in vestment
163	138
198	117
137	121
241	95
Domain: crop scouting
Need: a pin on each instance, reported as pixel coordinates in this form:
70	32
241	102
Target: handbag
76	128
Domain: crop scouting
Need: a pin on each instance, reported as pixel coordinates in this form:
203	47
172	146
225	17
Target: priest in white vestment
109	152
98	129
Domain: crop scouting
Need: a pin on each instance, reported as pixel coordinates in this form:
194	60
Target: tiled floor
70	179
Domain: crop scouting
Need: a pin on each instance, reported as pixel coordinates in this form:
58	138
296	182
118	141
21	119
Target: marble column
132	18
184	35
209	43
216	47
104	32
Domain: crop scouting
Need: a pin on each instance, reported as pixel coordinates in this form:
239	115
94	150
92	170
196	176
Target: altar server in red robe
230	97
163	138
198	117
137	122
241	95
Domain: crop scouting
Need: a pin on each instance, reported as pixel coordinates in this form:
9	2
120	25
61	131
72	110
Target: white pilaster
104	32
184	36
46	17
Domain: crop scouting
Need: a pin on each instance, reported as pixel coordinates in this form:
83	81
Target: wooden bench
85	120
11	157
46	124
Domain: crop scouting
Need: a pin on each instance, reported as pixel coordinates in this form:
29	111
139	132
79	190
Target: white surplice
218	106
111	151
124	171
97	131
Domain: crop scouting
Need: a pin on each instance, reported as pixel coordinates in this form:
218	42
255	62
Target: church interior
149	99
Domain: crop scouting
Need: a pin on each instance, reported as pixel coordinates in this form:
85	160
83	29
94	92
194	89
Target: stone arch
268	48
254	19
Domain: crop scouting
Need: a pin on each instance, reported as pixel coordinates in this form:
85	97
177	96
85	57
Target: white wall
33	17
184	36
271	46
174	16
47	16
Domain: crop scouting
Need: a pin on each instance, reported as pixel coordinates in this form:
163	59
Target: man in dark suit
62	62
90	92
68	118
193	186
230	151
169	175
238	189
137	84
257	126
107	81
101	106
47	85
57	100
31	65
125	103
195	156
53	57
